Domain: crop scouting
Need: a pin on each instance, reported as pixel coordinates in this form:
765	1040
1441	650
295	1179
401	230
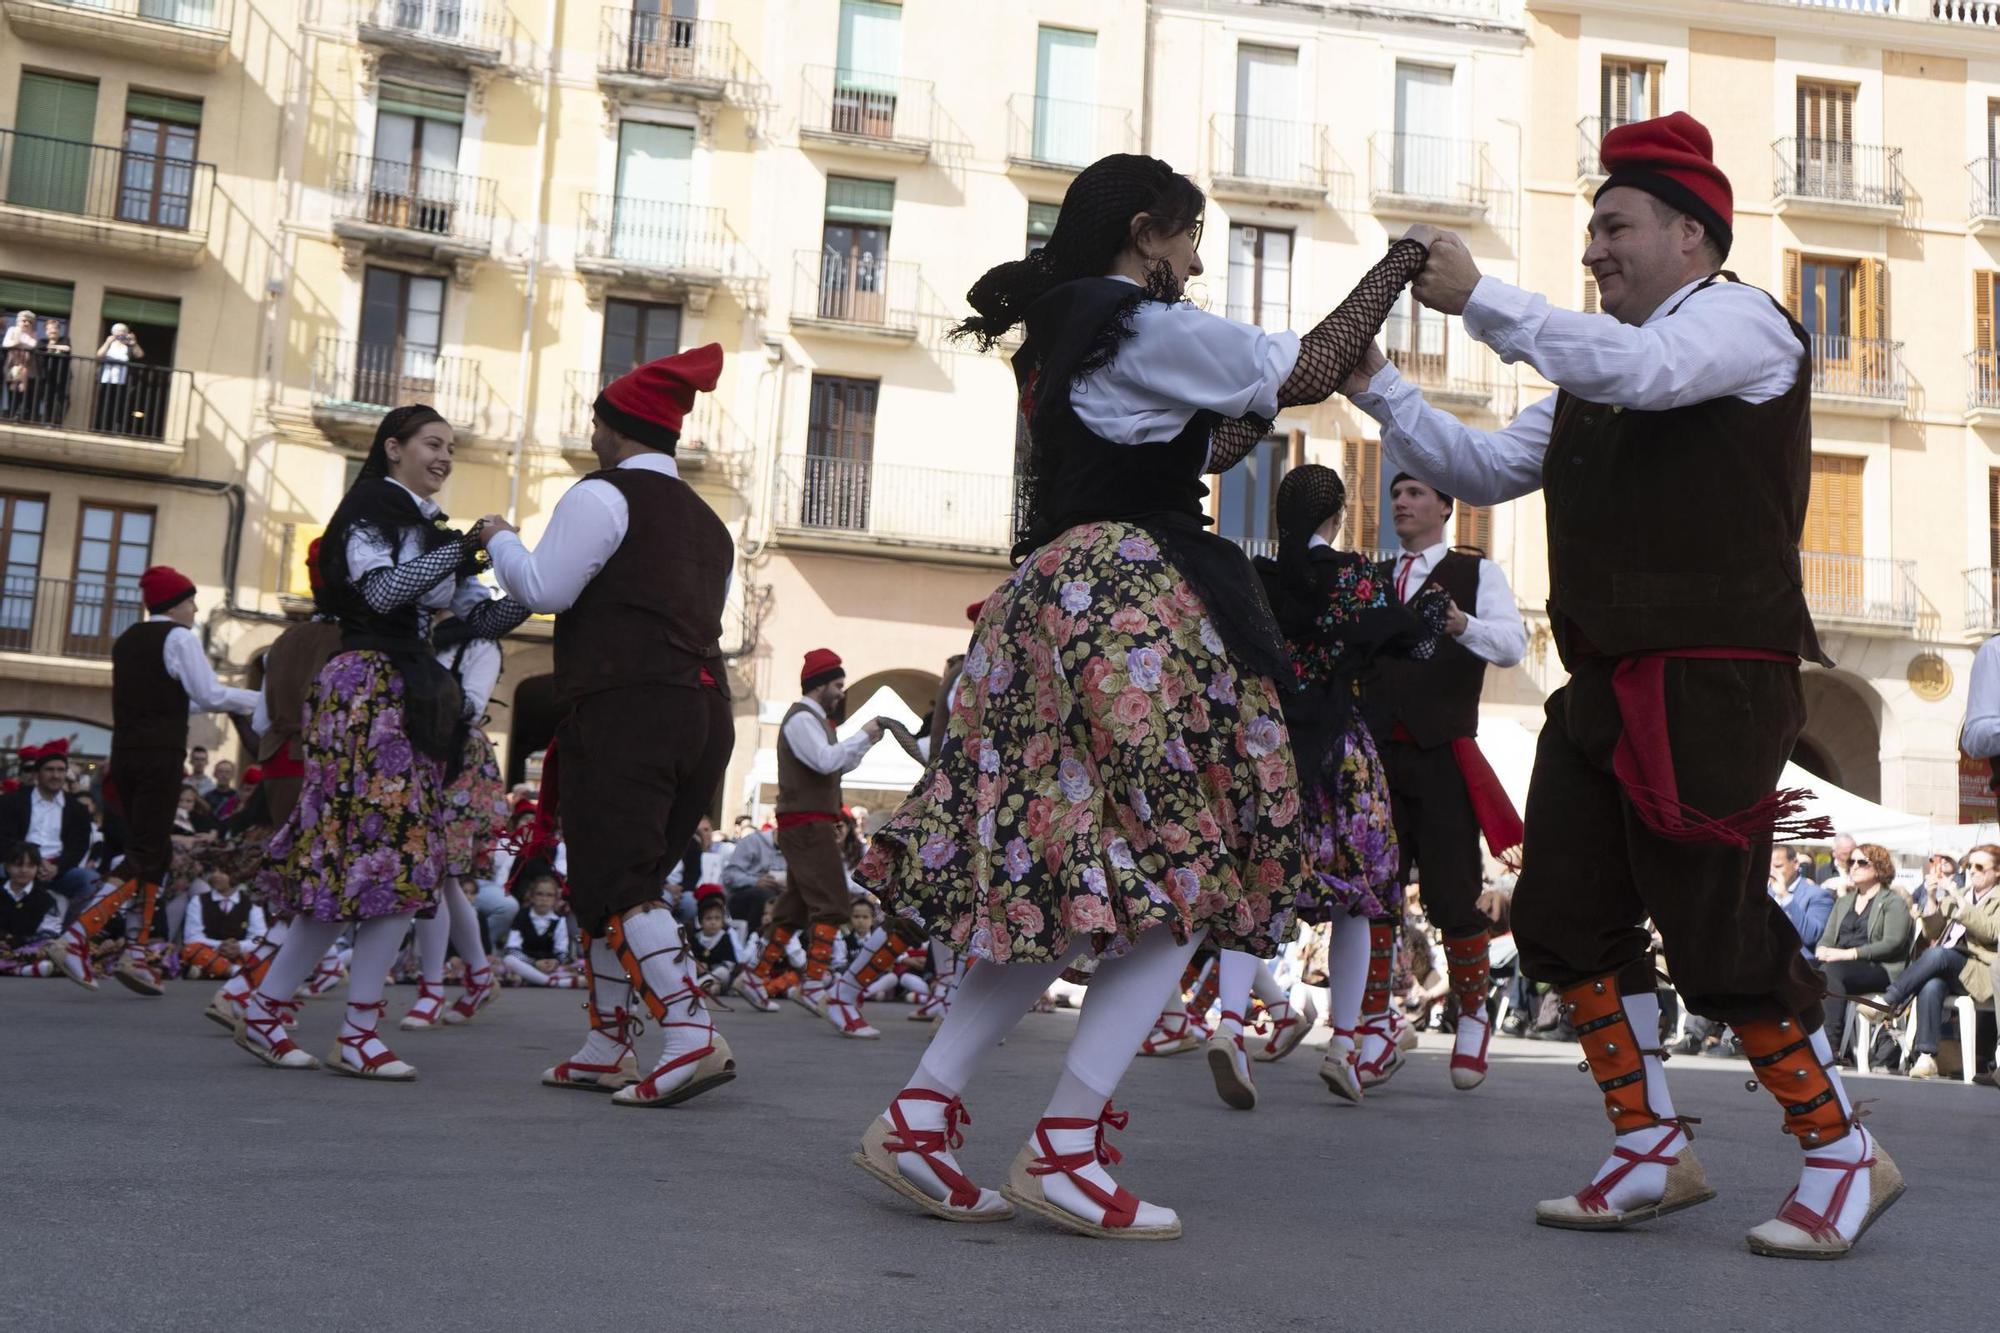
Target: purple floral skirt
1350	834
475	807
1107	769
367	838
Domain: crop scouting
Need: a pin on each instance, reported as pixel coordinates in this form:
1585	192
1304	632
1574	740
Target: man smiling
1675	460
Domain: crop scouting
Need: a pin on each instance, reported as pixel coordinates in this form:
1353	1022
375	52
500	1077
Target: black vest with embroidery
18	920
536	945
149	708
1680	528
220	924
1434	699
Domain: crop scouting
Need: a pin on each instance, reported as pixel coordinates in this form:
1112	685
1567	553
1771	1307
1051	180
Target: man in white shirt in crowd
46	814
1675	462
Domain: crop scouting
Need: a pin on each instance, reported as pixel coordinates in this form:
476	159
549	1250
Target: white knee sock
1346	970
1645	1183
1238	972
654	939
609	992
1124	998
525	970
305	944
375	945
1265	986
432	937
1817	1184
465	933
990	1000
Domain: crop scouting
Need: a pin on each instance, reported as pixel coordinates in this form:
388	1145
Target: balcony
74	618
1982	597
679	251
1053	139
1982	388
383	206
1426	178
79	409
1831	178
709	436
189	34
1455	371
841	503
67	195
459	34
855	297
1861	591
1983	209
659	57
1259	160
868	115
1860	377
354	383
1590	132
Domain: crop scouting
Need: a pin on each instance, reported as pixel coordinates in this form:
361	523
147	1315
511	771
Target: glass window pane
24	548
138	527
97	524
131	561
28	515
92	557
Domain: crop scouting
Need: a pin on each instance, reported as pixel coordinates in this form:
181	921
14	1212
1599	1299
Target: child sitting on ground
220	925
538	949
30	915
714	949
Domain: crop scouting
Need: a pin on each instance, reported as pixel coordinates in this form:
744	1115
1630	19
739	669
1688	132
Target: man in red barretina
1675	460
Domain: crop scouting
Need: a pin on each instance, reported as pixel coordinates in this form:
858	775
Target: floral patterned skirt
367	838
1349	833
475	807
1106	770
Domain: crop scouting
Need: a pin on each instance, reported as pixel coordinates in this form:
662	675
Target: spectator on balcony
52	399
1966	928
1867	937
20	367
114	381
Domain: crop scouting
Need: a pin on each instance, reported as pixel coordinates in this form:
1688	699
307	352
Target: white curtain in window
655	174
1267	108
423	328
1423	161
1065	89
871	45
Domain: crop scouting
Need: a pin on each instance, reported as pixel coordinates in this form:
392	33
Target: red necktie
1403	579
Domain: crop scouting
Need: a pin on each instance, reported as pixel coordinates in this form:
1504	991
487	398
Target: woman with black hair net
1114	779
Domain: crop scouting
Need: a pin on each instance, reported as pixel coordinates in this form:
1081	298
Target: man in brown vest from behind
1675	461
636	568
159	675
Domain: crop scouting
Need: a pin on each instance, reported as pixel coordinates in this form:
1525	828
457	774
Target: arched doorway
533	726
1843	733
916	688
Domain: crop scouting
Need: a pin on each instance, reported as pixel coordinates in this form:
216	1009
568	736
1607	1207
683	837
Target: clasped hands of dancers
1151	745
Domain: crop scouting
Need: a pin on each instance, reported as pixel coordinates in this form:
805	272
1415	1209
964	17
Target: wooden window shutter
1870	298
1363	459
1794	264
1473	526
1589	295
1833	511
1982	311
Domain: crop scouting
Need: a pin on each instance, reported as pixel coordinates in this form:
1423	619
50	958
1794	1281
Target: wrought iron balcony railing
1982	601
1866	590
869	108
1269	151
1438	356
1870	368
1054	132
88	395
708	432
1590	132
834	287
105	183
78	618
648	233
199	15
1425	169
674	50
905	505
1839	172
1982	378
383	192
471	25
352	376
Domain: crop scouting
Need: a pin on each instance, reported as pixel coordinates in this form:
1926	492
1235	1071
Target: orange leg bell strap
819	950
1381	957
1470	972
1612	1054
94	917
614	935
882	961
150	898
1781	1055
774	952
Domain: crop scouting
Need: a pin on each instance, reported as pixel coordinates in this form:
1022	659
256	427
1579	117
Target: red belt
794	818
1499	822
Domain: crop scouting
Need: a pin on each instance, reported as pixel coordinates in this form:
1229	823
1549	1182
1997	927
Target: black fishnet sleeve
392	586
1328	353
493	618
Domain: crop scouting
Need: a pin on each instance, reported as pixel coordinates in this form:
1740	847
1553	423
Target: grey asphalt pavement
159	1178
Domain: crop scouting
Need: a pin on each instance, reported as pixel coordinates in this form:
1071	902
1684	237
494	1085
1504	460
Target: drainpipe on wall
1520	198
523	387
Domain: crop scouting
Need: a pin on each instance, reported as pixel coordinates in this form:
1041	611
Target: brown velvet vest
1680	528
800	789
653	614
1436	699
149	709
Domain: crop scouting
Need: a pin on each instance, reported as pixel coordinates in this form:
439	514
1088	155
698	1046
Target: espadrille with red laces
909	1148
1059	1176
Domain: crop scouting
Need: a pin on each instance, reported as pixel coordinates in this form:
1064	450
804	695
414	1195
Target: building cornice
1916	32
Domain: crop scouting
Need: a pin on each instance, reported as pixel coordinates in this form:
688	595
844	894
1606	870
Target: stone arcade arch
1842	739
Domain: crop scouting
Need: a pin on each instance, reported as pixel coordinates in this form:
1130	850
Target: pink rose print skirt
367	838
1107	770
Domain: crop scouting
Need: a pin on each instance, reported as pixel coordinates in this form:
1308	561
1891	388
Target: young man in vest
811	760
1424	714
636	569
1676	459
159	675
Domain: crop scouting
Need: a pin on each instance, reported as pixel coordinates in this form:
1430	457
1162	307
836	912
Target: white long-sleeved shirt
45	814
193	928
515	944
478	673
188	665
807	737
1725	341
1179	360
1493	628
1981	735
583	533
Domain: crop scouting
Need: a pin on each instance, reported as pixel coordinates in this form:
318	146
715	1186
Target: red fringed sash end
1499	822
539	842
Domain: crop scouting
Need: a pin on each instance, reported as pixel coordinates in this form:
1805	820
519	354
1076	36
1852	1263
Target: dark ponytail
1094	224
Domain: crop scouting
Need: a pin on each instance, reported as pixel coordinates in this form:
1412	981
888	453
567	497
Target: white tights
1346	971
1240	975
455	921
375	943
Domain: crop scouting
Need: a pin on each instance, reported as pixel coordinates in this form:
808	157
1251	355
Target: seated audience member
754	874
220	924
1806	904
192	816
538	946
714	948
1867	937
1966	929
30	915
57	821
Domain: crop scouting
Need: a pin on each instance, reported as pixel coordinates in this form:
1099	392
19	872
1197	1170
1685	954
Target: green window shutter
57	108
867	203
1042	221
415	99
141	310
44	298
159	106
51	149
